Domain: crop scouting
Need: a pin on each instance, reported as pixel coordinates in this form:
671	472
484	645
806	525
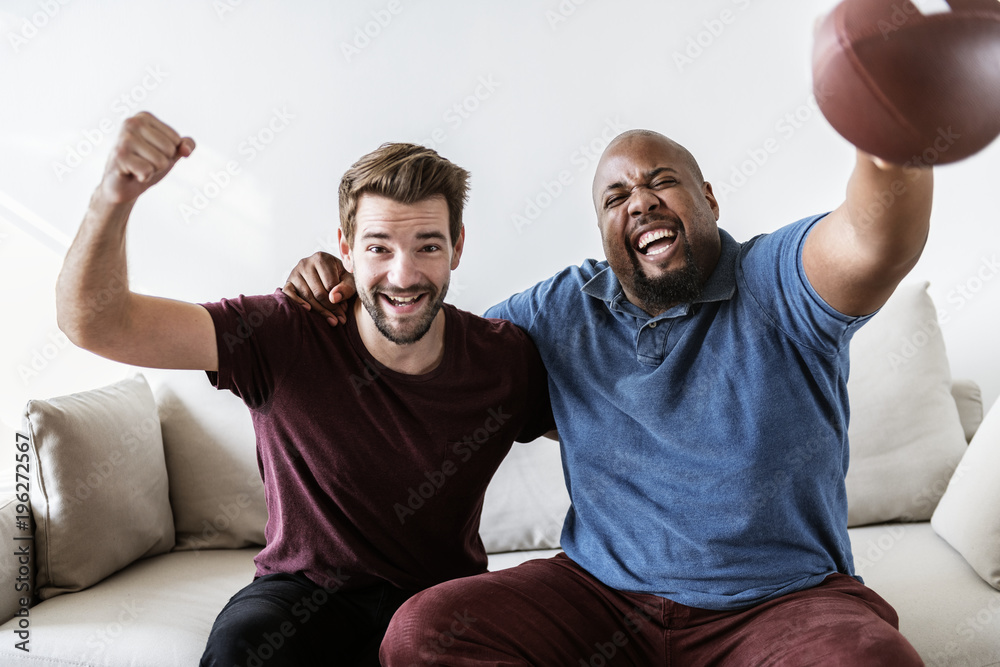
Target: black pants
286	619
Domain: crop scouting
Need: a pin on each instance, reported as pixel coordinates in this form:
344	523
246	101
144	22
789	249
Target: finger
345	290
339	315
291	293
139	153
326	278
130	163
187	147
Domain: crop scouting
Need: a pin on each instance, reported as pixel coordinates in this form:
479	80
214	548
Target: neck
417	358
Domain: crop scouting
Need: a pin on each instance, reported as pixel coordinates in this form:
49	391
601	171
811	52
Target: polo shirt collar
721	285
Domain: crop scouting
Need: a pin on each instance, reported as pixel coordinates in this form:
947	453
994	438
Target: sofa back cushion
906	434
99	485
968	516
210	448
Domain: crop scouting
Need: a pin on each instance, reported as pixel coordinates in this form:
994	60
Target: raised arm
94	305
855	257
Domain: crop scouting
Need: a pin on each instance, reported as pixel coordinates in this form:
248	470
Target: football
914	83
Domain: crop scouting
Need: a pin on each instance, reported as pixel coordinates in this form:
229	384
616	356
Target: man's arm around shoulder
94	305
855	257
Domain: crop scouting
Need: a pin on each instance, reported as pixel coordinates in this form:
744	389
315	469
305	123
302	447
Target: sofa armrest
969	400
15	571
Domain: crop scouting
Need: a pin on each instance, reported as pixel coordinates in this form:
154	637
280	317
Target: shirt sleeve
257	341
771	271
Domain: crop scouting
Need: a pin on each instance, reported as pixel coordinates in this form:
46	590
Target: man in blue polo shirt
699	388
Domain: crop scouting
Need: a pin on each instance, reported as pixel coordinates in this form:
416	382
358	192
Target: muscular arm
94	305
855	257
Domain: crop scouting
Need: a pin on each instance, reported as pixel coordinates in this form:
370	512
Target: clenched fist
145	151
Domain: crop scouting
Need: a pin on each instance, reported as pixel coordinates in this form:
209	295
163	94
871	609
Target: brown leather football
909	87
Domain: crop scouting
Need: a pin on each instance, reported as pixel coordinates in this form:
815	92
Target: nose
403	272
642	201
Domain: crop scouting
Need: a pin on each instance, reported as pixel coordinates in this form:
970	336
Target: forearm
855	257
888	209
92	294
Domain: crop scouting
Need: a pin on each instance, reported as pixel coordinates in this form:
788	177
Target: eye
376	249
664	182
430	248
614	200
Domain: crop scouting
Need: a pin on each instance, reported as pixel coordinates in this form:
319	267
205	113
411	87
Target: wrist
104	207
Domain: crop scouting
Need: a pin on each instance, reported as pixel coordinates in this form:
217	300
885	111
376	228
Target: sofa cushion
99	488
969	401
156	613
211	454
949	615
526	502
905	433
968	516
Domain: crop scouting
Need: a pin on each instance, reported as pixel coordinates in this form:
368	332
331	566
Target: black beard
656	295
420	328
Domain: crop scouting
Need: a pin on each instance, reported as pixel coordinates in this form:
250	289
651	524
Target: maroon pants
553	613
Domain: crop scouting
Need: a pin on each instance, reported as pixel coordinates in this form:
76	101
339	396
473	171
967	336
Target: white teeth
655	235
401	300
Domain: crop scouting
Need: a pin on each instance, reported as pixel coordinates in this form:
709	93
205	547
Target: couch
142	509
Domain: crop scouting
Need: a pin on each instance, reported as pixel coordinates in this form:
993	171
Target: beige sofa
146	509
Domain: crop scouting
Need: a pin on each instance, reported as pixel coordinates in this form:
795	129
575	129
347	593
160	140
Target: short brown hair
405	173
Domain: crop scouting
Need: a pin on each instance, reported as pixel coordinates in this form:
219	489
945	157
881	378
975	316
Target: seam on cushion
47	550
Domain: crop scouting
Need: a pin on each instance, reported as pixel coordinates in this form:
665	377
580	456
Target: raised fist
145	151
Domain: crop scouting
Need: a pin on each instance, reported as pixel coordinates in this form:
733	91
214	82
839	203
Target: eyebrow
422	236
649	175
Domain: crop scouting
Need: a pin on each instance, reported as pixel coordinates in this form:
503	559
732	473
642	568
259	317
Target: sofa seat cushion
949	614
156	612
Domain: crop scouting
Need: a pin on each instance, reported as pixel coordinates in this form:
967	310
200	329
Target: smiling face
657	218
402	258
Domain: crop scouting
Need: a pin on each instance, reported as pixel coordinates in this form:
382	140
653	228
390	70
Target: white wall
550	93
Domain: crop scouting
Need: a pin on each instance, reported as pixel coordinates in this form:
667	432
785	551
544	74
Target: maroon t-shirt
372	475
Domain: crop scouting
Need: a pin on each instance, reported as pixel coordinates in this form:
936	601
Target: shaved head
630	136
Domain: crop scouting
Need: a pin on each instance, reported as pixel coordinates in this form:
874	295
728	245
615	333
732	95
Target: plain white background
283	97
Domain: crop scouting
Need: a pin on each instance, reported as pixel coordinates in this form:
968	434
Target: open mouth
403	303
656	241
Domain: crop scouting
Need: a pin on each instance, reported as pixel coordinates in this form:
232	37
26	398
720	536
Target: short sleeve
771	272
257	341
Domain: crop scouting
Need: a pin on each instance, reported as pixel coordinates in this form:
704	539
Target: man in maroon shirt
375	440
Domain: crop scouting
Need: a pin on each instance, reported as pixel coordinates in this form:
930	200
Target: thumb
186	147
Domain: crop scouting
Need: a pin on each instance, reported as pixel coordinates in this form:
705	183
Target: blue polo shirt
704	449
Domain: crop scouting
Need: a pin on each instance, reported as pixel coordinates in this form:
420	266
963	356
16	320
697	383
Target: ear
345	251
456	254
710	197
